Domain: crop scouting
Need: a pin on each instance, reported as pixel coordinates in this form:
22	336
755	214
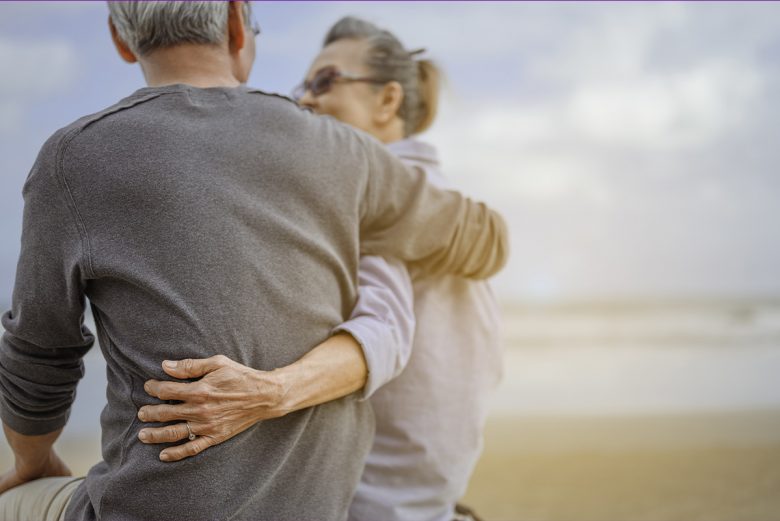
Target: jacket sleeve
45	339
438	231
382	321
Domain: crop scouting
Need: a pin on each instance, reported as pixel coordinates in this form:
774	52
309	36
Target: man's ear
389	102
121	47
236	27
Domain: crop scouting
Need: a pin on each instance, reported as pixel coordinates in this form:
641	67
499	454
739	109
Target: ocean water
640	358
599	359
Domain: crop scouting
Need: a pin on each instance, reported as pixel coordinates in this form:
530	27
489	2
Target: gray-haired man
201	217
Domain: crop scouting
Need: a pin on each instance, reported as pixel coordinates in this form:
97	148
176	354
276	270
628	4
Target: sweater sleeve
382	321
438	231
45	339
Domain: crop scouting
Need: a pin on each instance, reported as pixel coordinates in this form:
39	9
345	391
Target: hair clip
417	52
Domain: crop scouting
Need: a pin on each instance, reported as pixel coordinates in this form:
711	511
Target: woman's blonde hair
388	61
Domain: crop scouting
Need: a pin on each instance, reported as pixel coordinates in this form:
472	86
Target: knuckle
191	449
187	364
221	359
200	410
203	392
164	413
159	435
159	391
160	413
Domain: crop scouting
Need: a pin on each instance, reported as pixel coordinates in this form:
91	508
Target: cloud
32	71
630	146
607	94
614	160
614	81
515	153
673	110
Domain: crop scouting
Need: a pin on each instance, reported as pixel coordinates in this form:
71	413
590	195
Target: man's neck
197	65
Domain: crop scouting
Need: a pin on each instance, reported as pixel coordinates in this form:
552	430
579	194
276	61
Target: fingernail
143	436
170	364
164	456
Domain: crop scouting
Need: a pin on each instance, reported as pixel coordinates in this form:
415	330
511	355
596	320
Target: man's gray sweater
206	221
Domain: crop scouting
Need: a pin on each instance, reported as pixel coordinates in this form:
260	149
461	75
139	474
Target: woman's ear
389	102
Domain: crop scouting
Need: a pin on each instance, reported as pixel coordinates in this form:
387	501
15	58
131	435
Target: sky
632	147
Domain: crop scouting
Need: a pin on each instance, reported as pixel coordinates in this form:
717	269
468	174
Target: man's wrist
33	454
34	467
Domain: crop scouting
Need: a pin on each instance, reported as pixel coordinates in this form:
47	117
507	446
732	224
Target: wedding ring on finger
190	435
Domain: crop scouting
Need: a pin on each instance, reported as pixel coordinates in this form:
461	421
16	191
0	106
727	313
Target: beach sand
716	467
703	467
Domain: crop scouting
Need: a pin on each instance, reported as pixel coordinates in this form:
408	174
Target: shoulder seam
253	90
86	245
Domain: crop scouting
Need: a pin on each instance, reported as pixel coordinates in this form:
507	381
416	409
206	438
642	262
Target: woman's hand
228	399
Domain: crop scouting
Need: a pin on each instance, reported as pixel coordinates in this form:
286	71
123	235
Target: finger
166	413
167	434
194	367
187	450
168	390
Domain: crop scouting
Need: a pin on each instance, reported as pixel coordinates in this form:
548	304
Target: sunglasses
324	80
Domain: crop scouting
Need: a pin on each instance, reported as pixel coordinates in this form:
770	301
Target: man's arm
35	458
439	231
45	339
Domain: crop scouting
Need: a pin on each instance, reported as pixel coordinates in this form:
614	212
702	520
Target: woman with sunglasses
430	418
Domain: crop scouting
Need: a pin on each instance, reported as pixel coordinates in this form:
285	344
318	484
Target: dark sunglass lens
321	85
323	81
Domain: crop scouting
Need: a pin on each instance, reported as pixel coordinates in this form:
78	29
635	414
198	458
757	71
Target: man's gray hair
146	26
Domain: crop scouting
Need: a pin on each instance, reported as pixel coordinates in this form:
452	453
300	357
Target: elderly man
202	218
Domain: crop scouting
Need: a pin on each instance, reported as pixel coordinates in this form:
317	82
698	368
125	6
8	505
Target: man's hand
228	399
35	459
